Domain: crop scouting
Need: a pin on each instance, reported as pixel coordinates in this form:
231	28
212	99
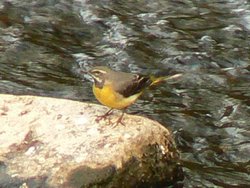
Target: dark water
44	43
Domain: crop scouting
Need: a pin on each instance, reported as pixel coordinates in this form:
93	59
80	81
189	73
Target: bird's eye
97	73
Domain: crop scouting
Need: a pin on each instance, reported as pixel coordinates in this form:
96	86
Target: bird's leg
104	116
119	120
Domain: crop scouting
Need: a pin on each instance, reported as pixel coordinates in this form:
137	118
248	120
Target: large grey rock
49	142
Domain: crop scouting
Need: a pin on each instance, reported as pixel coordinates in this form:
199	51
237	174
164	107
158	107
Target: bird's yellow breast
108	97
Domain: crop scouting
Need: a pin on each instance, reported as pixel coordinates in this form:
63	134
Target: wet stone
38	149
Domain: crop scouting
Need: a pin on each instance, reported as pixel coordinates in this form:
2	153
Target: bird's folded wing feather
135	85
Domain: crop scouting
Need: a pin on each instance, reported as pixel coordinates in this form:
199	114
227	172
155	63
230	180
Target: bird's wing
133	85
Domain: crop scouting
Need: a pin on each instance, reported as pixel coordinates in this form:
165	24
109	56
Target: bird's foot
119	121
104	116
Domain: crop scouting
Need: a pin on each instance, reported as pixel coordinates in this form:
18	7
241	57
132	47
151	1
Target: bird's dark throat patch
99	83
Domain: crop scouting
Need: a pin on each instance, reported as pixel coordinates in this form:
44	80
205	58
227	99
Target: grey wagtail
118	90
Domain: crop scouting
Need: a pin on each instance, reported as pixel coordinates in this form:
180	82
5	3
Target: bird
119	90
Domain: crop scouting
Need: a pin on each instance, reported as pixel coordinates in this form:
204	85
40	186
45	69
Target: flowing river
44	44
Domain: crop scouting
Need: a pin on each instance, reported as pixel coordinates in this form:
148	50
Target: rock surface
48	142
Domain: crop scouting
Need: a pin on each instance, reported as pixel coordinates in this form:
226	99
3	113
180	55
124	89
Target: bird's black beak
84	72
88	73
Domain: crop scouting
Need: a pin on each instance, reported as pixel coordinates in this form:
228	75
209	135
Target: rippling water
44	44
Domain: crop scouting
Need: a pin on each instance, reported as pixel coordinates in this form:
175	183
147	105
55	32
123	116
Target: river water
45	43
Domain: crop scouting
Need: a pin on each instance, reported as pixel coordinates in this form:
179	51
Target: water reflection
43	45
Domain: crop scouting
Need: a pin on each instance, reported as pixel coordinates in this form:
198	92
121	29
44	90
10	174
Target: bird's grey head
99	75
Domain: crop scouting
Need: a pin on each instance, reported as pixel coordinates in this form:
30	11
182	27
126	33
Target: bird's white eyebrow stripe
97	70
